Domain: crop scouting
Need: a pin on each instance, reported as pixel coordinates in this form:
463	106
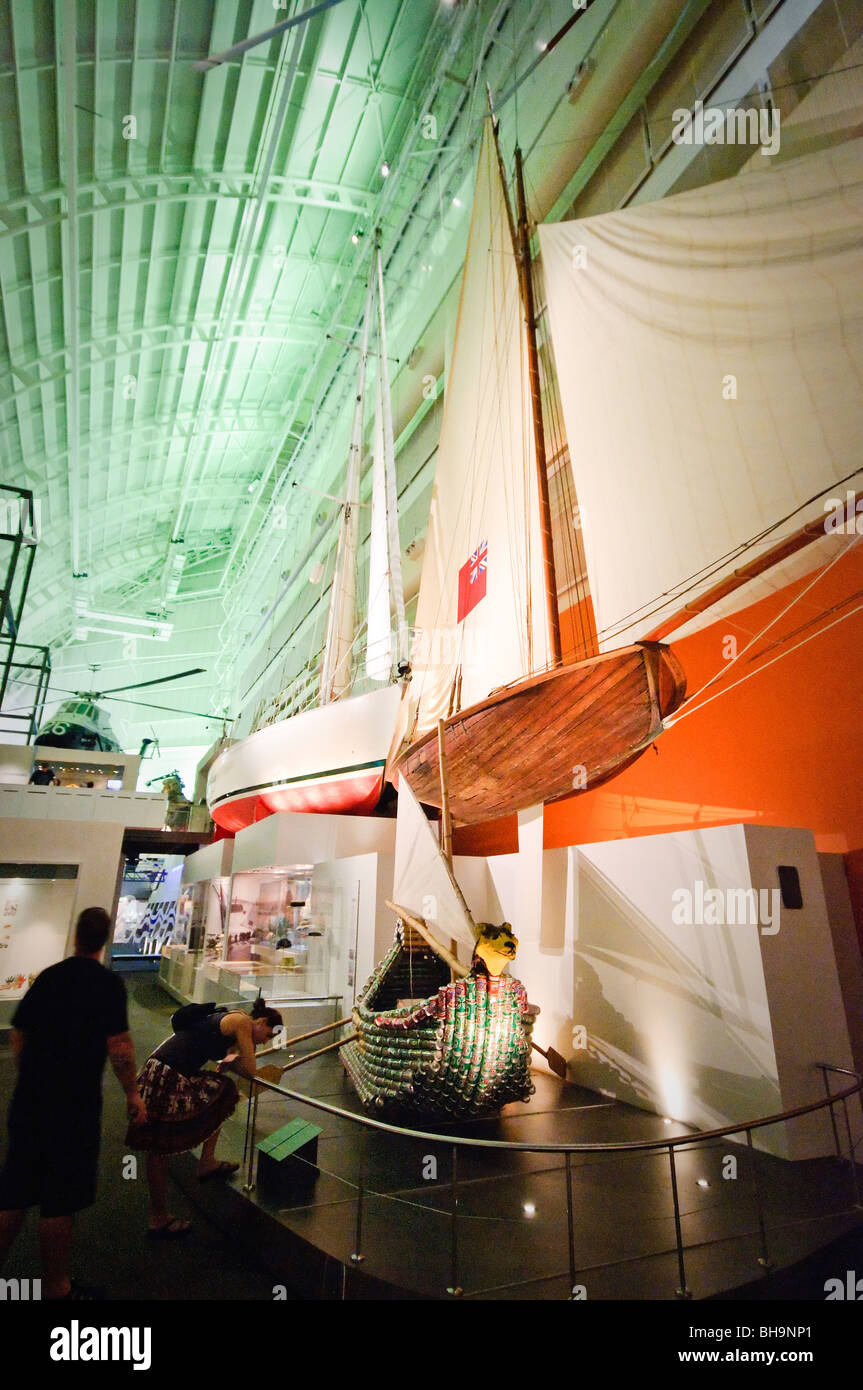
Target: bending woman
187	1106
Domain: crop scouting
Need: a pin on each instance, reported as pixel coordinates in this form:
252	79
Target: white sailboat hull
330	759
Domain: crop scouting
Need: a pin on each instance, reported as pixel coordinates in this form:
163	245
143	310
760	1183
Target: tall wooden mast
523	248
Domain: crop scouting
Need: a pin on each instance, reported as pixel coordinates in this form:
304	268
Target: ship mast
336	674
523	256
392	503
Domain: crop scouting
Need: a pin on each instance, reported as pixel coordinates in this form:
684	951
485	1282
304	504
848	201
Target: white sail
481	615
709	349
423	880
336	677
389	458
378	639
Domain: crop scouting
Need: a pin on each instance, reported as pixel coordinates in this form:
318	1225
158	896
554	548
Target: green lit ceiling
175	248
183	257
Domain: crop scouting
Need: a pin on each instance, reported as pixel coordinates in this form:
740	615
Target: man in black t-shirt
70	1020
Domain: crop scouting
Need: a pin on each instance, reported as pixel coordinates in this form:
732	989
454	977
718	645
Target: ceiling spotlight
456	202
579	78
251	487
529	1209
702	1182
355	237
385	170
541	45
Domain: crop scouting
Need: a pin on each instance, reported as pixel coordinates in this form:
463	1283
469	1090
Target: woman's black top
188	1050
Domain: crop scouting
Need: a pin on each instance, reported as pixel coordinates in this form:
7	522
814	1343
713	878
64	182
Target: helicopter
79	723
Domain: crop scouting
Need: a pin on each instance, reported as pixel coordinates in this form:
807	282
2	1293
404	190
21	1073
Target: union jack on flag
472	581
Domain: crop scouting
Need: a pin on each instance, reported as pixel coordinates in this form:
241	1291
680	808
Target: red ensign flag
471	581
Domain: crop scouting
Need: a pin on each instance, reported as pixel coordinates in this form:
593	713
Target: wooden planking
521	746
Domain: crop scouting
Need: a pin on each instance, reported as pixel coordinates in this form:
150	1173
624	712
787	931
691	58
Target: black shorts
46	1170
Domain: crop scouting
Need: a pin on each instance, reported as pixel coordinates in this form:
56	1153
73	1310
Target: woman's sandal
172	1230
224	1170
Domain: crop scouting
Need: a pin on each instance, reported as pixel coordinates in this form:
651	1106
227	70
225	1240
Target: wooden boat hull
462	1051
325	760
527	743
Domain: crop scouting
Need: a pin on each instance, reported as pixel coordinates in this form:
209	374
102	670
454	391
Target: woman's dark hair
272	1017
92	930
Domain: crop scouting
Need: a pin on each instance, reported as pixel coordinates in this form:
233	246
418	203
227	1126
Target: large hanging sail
336	676
728	389
379	636
480	615
485	663
333	758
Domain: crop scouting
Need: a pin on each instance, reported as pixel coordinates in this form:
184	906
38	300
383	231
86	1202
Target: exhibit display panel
36	907
691	974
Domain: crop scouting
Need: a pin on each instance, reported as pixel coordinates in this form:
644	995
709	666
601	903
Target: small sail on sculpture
427	1043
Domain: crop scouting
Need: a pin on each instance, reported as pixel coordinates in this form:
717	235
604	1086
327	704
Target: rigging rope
675	719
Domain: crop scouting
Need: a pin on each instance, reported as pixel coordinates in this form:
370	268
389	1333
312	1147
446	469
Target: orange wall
784	748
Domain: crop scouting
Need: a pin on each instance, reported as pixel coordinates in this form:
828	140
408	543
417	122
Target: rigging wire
698	577
675	719
802	643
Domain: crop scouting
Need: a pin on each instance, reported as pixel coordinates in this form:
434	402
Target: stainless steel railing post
570	1226
682	1291
764	1258
249	1144
826	1081
358	1255
453	1287
854	1176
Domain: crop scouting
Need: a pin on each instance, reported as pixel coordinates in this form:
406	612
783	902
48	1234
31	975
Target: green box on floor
288	1159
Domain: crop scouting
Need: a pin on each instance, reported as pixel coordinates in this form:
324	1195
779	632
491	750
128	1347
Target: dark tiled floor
512	1229
111	1246
511	1235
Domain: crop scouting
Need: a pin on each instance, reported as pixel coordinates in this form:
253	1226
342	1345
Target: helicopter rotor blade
182	713
161	680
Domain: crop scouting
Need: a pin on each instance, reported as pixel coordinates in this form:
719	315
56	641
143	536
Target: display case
190	964
291	909
279	936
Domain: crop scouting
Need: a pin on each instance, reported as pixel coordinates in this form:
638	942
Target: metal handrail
669	1146
516	1146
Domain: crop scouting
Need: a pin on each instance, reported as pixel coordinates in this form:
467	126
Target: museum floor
512	1239
511	1235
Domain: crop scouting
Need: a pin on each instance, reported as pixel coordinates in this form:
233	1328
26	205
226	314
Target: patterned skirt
182	1111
